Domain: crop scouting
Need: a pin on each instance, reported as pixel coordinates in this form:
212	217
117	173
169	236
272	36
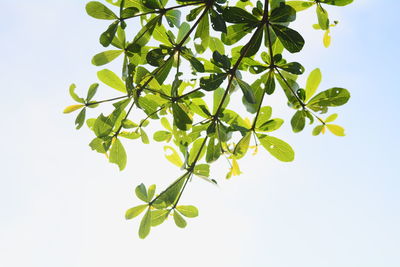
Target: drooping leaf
118	154
179	220
145	225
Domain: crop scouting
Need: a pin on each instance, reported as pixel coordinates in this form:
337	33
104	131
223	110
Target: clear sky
62	205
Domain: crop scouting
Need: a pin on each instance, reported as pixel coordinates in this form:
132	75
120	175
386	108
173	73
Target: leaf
145	225
337	2
336	129
271	125
173	17
242	146
196	152
330	98
92	91
118	154
161	136
313	81
151	191
72	108
293	67
188	211
235	33
179	221
99	11
284	13
238	15
173	156
111	79
277	148
213	81
331	118
264	116
181	118
290	39
317	130
144	137
327	39
323	19
202	170
107	37
158	217
300	5
74	96
252	47
298	121
135	211
106	57
183	31
141	192
247	91
80	119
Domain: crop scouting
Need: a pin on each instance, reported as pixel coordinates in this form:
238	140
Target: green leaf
92	91
102	126
235	33
277	148
242	146
283	13
330	98
135	211
247	91
213	81
129	12
72	108
74	96
179	221
173	156
264	116
331	118
317	130
144	137
107	37
300	5
118	154
99	11
80	119
141	192
298	121
202	170
183	31
323	19
337	2
111	79
173	18
270	126
145	225
290	39
238	15
161	136
313	81
195	151
106	57
151	191
293	67
252	47
181	118
336	129
158	217
188	211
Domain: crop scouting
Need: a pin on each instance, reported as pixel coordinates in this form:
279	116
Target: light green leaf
336	129
277	148
242	146
331	118
99	11
179	221
72	108
145	225
313	81
173	156
188	211
135	211
158	217
105	57
74	96
111	79
118	154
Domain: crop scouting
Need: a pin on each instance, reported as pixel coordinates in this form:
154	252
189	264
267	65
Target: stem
107	100
188	93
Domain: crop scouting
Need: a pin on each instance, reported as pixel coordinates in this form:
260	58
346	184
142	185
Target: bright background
62	205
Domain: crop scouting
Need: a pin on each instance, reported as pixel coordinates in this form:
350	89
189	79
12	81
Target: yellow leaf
327	39
72	108
336	129
172	156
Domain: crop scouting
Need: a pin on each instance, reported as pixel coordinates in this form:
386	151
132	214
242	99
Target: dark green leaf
247	91
107	36
290	39
283	13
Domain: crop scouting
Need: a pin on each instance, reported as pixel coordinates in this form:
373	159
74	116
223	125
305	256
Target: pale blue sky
63	205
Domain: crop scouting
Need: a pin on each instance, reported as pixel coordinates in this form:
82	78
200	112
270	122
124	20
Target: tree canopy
185	61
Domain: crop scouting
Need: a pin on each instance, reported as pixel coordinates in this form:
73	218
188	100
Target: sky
62	205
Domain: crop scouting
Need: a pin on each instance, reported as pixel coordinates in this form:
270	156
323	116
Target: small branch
107	100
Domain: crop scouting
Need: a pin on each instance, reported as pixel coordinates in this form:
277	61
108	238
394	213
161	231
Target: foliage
182	67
